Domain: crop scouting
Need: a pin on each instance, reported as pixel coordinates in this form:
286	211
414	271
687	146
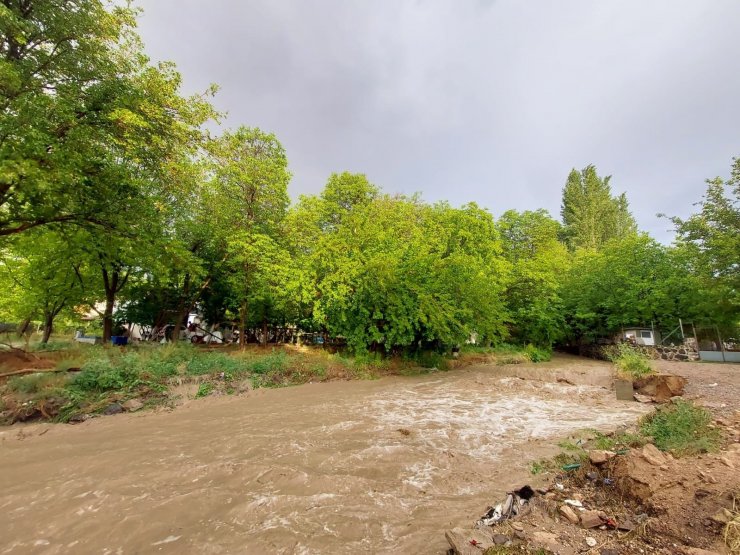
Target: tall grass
631	363
681	427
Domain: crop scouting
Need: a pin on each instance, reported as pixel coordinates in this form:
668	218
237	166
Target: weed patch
630	362
681	427
204	390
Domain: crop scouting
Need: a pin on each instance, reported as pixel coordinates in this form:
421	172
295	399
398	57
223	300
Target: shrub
102	375
204	390
629	361
537	354
432	359
681	427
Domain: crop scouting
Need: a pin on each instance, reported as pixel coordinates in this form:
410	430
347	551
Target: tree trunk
243	325
23	327
264	332
111	286
48	327
182	314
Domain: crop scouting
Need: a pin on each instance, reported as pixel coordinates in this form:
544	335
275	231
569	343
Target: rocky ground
639	501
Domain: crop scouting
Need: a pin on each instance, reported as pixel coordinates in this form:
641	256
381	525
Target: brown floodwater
379	466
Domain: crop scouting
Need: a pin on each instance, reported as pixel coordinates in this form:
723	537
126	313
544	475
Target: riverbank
368	466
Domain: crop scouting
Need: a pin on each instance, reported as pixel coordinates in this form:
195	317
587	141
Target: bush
630	362
204	390
432	359
537	354
681	427
104	375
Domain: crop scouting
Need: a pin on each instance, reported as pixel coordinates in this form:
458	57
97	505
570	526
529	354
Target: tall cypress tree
591	215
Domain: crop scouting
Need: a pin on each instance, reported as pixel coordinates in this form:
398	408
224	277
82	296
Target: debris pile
641	500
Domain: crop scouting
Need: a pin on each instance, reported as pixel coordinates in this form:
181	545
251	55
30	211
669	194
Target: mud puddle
342	467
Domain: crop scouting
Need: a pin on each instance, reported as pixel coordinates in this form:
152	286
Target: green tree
631	281
539	261
591	215
711	238
398	274
249	198
39	279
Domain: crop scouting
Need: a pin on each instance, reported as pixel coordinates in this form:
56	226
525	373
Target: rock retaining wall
664	352
678	352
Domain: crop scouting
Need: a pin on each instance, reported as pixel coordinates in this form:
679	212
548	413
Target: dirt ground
649	502
712	384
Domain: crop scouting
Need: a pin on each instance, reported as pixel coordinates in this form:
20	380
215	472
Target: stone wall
664	352
677	352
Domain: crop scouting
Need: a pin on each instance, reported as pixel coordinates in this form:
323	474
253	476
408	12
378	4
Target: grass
631	363
204	390
555	464
682	428
507	353
617	442
88	378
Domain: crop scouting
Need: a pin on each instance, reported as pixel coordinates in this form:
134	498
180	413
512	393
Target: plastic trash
508	508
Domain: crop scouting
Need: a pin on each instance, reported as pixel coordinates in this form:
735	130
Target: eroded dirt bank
342	467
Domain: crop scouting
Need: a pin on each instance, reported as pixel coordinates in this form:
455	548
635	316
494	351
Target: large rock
661	387
550	542
598	456
132	405
113	408
591	519
653	455
624	390
569	513
469	542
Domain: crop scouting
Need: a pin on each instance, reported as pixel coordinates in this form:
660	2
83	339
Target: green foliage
397	273
432	359
539	261
681	427
101	375
630	281
591	216
210	363
615	442
630	362
275	362
711	241
204	390
537	354
32	384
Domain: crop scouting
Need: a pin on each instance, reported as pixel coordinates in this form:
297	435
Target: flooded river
345	467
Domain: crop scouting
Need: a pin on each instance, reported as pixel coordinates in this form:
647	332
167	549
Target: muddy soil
714	385
345	467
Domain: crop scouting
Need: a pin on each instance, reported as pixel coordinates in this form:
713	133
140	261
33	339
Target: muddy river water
345	467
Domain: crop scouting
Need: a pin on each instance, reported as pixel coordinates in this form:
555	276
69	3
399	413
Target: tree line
115	194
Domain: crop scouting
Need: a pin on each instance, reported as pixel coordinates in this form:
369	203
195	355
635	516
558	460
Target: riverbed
380	466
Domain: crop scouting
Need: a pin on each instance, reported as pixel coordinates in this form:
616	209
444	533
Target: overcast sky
492	101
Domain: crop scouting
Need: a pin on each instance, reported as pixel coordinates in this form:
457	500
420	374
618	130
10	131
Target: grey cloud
486	101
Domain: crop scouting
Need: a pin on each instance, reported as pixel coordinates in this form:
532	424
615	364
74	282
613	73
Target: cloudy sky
492	101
